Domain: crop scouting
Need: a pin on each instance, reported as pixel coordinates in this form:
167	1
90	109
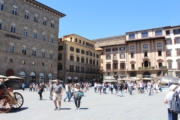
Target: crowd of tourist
128	86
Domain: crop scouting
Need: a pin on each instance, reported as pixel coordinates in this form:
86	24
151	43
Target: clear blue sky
94	19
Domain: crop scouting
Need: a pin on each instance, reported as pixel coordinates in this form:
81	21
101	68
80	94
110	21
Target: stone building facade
78	59
28	40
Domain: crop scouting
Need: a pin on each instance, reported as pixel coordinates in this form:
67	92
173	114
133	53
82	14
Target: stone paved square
93	107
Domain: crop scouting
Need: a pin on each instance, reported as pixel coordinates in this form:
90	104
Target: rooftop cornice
44	7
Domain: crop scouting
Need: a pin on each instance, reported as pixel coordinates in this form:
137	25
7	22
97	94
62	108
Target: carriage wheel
5	103
19	100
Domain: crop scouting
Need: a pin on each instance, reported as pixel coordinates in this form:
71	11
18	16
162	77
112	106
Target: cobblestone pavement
93	107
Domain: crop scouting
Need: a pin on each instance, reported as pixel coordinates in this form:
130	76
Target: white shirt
169	97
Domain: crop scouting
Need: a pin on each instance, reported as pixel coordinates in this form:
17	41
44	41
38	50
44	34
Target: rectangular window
75	39
77	50
108	57
60	48
160	65
94	54
87	70
176	40
132	55
122	56
159	53
159	44
168	41
71	68
108	66
167	32
60	57
132	67
176	31
158	32
82	60
90	53
90	61
72	58
122	48
77	59
144	34
83	43
178	52
178	64
59	66
132	36
82	51
122	66
77	68
114	49
132	47
145	46
79	41
169	65
82	69
108	50
145	54
97	56
87	52
115	66
87	60
168	52
0	26
97	63
72	49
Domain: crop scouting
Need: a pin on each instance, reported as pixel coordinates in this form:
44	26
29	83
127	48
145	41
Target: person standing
111	86
171	115
41	89
130	87
121	90
77	98
23	86
57	95
68	92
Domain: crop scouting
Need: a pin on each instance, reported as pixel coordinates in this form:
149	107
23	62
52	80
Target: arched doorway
69	79
132	74
32	77
75	79
22	74
146	75
50	77
41	77
9	72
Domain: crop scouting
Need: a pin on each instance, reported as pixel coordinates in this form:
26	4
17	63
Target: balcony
163	68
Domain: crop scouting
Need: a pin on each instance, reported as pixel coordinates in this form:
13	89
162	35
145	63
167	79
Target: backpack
175	103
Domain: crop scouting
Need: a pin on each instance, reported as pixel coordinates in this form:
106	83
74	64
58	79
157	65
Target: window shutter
171	41
166	53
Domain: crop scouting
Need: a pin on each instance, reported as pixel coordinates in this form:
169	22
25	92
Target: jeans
111	90
172	115
120	92
149	91
130	90
104	90
68	95
77	102
95	89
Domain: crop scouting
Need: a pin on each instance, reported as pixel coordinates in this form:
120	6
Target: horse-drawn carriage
8	98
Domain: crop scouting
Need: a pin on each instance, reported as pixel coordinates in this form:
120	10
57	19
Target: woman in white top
77	99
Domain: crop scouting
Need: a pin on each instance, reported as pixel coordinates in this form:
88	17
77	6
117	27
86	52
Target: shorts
57	97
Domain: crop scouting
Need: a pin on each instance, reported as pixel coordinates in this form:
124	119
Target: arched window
44	21
44	37
52	24
13	28
35	18
35	34
14	10
34	51
0	24
51	55
11	48
1	5
43	53
51	39
25	31
26	15
24	50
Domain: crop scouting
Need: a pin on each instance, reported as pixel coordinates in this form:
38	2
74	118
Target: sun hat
172	87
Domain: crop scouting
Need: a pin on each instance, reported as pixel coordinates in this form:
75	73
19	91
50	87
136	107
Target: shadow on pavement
65	108
84	108
18	110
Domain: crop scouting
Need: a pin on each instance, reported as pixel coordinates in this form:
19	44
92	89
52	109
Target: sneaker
56	108
76	108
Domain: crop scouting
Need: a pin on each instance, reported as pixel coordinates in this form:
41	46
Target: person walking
130	87
23	86
68	92
57	95
30	87
41	89
77	98
121	90
171	115
100	88
111	86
